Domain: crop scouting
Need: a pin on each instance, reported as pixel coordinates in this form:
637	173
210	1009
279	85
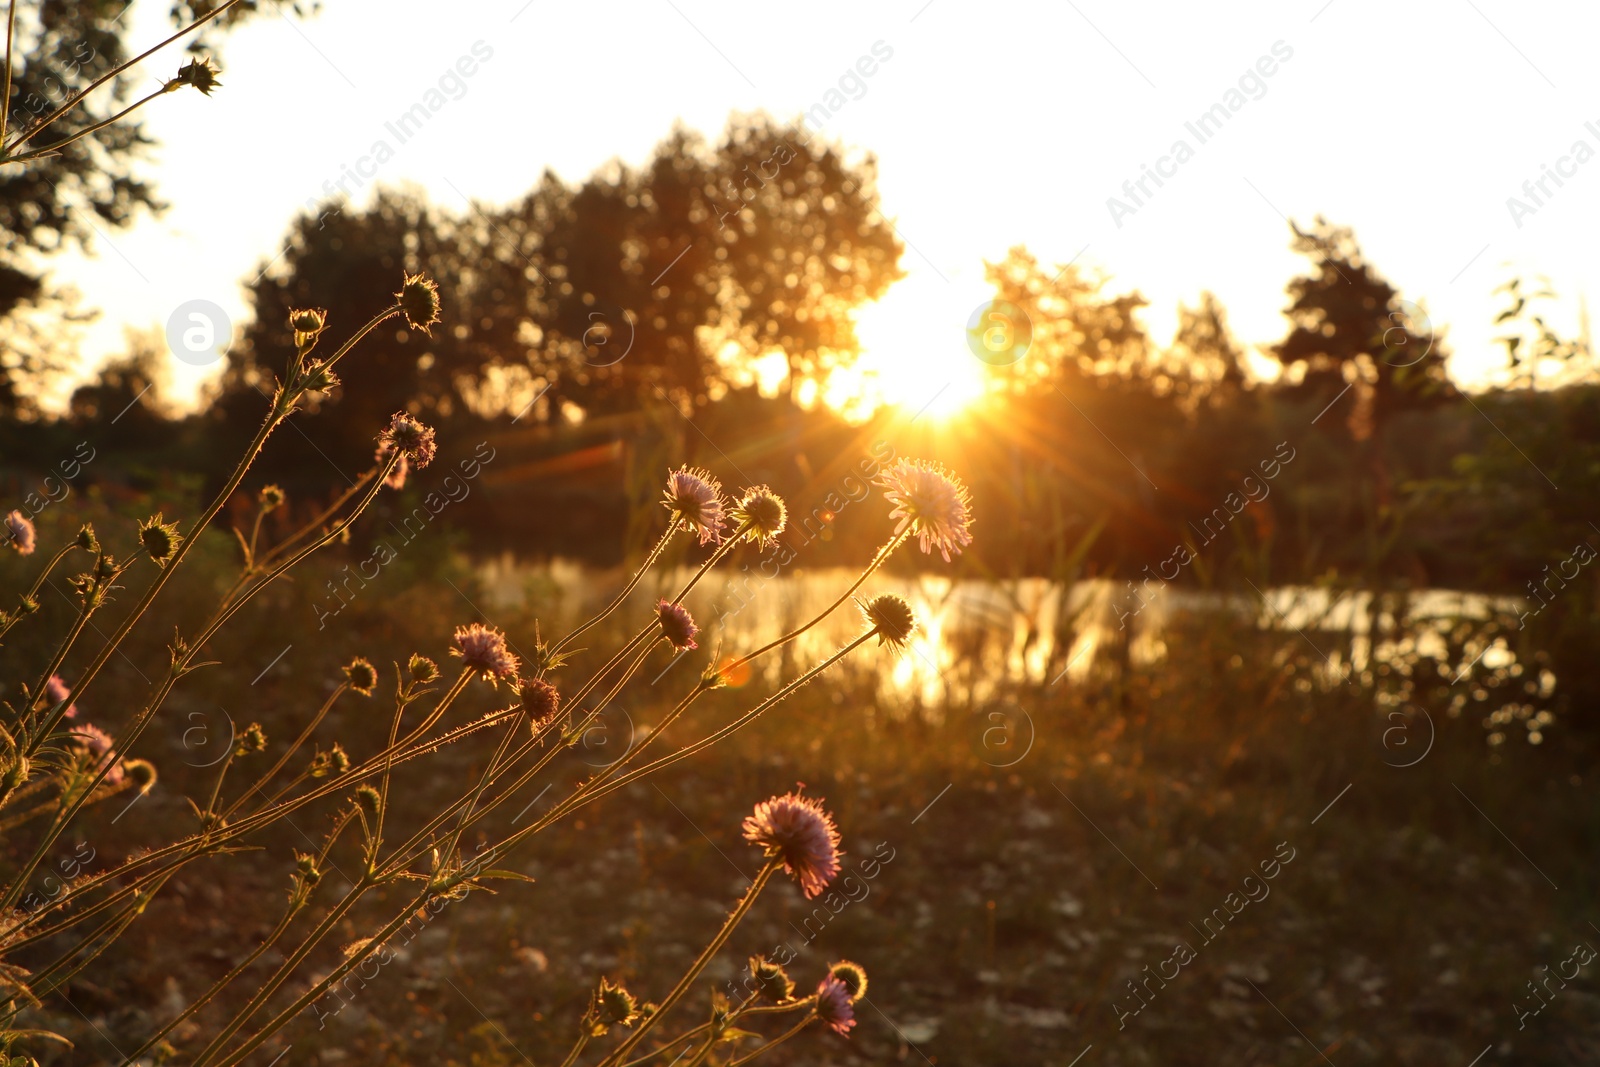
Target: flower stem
734	918
649	561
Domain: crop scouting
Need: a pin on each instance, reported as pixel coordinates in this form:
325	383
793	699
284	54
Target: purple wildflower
19	532
483	649
931	501
796	829
99	745
833	1005
677	625
409	437
55	691
695	499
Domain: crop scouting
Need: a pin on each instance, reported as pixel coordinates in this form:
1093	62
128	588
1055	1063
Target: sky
994	125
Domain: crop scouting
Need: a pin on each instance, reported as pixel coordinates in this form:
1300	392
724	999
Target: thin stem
583	796
112	73
877	561
649	561
38	583
301	740
739	912
577	1048
55	146
727	545
5	108
775	1042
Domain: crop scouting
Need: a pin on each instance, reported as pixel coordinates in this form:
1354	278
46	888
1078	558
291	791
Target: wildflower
307	323
332	762
105	568
19	532
86	539
160	540
890	618
797	830
397	476
410	438
142	773
931	502
362	675
773	984
55	692
483	649
100	747
833	1005
854	977
422	669
306	869
762	515
540	699
199	72
694	498
677	625
272	497
419	302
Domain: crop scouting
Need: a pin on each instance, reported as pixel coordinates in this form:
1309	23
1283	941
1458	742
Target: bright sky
994	124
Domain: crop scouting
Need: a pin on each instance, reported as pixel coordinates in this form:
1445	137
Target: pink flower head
55	691
19	532
931	501
677	625
797	829
695	499
833	1005
483	649
99	745
409	437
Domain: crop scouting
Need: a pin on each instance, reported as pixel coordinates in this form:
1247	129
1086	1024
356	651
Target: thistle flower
761	512
410	438
199	72
397	476
694	498
362	675
540	699
422	669
930	501
483	649
796	829
677	625
55	691
854	977
773	984
160	540
19	532
833	1005
419	302
891	619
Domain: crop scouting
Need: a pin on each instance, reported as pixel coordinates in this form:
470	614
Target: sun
914	353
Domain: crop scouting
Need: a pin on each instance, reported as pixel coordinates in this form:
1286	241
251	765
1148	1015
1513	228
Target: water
977	636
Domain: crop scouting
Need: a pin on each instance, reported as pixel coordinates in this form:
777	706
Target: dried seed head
368	799
422	669
419	301
142	773
891	619
86	540
199	72
272	497
773	984
362	675
254	739
160	540
854	977
762	513
307	324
